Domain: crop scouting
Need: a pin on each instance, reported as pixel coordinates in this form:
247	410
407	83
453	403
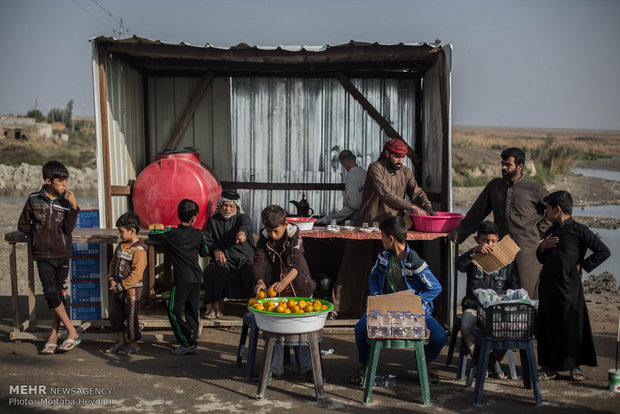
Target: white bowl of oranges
290	315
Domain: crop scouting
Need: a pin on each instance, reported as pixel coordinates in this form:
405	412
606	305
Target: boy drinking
500	280
564	333
281	246
399	268
49	217
125	284
185	243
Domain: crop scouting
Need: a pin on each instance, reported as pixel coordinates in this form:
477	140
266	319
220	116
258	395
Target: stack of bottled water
396	324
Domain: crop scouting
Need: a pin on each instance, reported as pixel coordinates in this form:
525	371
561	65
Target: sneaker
182	350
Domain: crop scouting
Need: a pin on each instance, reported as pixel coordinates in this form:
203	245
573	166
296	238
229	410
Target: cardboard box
503	254
405	300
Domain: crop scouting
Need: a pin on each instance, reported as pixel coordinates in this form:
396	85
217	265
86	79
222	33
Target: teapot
303	208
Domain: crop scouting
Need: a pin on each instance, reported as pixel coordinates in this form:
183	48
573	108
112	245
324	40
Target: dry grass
596	143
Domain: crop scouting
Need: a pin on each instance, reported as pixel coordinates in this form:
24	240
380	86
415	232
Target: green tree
55	115
68	113
35	113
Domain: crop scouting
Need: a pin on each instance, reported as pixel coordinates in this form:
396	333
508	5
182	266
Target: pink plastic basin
443	222
304	223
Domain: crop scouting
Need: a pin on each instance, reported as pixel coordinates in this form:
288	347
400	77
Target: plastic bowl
291	323
443	222
304	223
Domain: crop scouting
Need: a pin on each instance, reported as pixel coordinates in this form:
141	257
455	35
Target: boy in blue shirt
399	268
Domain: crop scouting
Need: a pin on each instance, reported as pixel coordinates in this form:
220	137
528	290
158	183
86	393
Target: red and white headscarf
396	146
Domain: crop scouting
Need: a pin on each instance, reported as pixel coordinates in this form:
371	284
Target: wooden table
99	236
357	234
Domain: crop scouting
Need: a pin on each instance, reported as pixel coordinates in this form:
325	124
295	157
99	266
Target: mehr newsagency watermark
21	395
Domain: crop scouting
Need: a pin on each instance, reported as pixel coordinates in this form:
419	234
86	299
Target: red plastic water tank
172	177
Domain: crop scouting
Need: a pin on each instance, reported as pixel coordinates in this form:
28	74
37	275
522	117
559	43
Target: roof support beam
105	137
374	114
189	111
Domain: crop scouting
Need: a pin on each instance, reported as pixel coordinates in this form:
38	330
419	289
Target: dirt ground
156	381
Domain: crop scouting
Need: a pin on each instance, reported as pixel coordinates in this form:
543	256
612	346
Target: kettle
303	208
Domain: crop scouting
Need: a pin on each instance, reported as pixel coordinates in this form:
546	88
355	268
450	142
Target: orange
323	307
252	301
309	308
302	303
296	309
290	303
258	306
261	294
280	308
269	304
317	305
287	310
272	293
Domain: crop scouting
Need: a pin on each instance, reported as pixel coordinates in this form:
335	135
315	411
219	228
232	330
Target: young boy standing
564	332
500	280
399	268
125	284
49	217
185	243
280	244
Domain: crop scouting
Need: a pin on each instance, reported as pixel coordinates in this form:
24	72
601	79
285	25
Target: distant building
24	129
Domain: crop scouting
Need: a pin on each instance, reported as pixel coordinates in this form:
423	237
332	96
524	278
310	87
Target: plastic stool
371	368
480	361
462	362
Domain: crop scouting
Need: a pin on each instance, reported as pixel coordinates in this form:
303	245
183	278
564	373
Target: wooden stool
461	366
480	362
310	338
371	368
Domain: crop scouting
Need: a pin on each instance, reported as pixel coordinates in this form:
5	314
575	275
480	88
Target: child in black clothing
185	243
500	280
49	217
564	333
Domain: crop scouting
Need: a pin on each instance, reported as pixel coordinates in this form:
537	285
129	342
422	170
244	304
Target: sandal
433	376
546	374
576	375
49	349
129	349
332	316
114	349
358	377
69	344
496	371
213	314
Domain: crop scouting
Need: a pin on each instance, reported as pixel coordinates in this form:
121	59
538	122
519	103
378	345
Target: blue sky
529	63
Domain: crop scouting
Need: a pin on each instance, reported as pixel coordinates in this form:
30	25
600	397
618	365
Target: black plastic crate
507	320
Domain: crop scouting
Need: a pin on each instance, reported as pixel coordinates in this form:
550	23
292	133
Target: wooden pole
14	290
445	131
32	304
374	114
189	111
105	138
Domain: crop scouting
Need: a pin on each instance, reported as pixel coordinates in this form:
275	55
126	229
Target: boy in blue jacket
399	268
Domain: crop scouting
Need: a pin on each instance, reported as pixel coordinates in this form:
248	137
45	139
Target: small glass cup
365	226
347	224
375	225
333	223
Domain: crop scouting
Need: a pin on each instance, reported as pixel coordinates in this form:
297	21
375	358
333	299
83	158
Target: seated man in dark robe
231	245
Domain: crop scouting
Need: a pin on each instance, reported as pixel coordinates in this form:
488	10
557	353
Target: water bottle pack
396	325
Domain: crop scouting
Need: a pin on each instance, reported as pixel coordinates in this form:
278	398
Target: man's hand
418	210
579	270
453	236
220	257
241	237
70	197
549	242
112	286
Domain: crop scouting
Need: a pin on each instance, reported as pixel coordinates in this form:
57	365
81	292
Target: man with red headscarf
387	183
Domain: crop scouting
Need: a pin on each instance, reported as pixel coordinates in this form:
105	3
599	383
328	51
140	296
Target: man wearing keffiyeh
229	239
